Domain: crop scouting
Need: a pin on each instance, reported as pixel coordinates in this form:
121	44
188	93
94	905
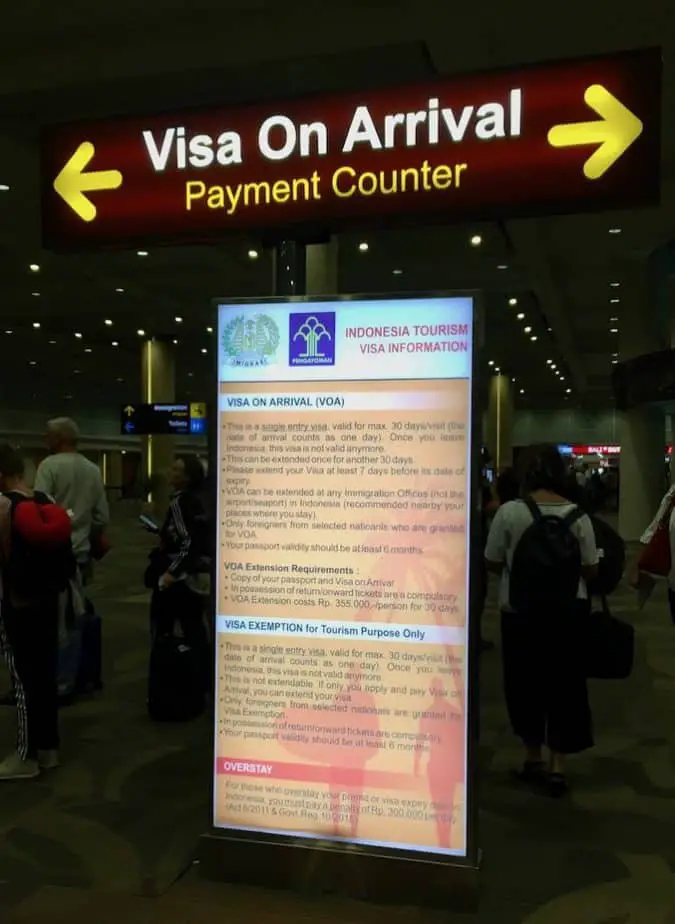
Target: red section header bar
565	136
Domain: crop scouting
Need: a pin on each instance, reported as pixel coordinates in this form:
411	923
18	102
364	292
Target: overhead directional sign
563	136
182	419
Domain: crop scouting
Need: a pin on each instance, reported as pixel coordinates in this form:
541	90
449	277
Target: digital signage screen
342	639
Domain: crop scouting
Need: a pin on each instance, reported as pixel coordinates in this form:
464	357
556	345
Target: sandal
557	785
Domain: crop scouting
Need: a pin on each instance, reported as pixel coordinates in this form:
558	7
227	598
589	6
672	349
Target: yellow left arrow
614	132
72	182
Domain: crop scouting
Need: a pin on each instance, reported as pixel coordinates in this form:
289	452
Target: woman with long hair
544	677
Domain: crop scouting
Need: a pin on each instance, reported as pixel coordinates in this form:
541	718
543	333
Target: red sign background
503	177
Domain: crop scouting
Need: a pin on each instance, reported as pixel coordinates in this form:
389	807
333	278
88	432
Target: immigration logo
312	339
250	342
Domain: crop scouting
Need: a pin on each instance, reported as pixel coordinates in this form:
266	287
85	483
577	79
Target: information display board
344	481
182	419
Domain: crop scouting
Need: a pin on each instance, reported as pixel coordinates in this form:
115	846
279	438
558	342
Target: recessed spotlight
108	322
562	378
115	343
87	349
615	354
527	329
34	267
553	366
491	362
522	391
209	330
613	319
36	325
118	289
614	330
520	316
568	391
497	369
502	266
614	301
549	362
253	254
178	320
533	337
204	350
78	335
35	294
4	187
51	342
513	301
119	379
77	371
142	253
175	342
614	362
615	285
140	332
615	230
475	240
190	374
396	272
363	246
32	363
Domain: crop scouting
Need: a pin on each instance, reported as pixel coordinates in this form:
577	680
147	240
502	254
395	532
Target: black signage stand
315	868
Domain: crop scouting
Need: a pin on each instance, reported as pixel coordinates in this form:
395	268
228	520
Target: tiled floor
104	838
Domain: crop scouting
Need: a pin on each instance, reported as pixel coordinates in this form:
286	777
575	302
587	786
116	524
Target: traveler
37	563
75	484
544	549
179	570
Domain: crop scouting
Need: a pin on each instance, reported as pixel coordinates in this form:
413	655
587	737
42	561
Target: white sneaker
16	768
48	760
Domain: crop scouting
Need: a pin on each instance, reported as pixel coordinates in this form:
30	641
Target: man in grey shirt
75	483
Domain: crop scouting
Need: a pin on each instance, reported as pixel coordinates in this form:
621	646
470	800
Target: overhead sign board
184	419
342	658
563	136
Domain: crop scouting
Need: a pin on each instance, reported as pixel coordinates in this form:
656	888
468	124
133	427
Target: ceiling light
78	335
140	332
253	254
34	267
115	343
51	342
396	272
363	246
522	391
476	240
36	324
32	363
491	362
35	294
108	322
142	253
562	378
178	320
9	331
533	337
87	349
614	301
497	369
549	362
553	366
175	342
513	301
520	316
4	187
614	330
615	230
614	362
527	329
615	354
204	350
76	372
209	330
119	290
613	319
568	391
615	285
502	266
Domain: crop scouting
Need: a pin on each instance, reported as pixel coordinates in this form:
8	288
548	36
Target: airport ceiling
69	330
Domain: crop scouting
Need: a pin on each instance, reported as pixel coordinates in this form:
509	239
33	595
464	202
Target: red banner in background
564	136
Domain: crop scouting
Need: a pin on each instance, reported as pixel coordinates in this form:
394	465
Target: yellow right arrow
614	132
72	182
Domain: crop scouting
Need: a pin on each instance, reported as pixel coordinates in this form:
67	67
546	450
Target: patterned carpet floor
111	835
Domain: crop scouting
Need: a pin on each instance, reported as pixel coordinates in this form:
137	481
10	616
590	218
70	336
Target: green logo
250	342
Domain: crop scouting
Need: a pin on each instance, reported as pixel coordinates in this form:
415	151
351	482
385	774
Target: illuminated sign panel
343	573
562	136
184	419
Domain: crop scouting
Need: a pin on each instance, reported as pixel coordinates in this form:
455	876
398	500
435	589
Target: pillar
158	385
642	433
322	268
499	422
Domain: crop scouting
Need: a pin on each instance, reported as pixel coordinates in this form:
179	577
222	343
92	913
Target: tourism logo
312	339
250	342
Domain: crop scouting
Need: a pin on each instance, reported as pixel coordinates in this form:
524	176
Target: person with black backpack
544	548
37	565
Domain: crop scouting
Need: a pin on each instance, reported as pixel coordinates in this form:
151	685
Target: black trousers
671	603
178	605
29	640
544	680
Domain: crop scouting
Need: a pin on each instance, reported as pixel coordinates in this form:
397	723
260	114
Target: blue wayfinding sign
178	419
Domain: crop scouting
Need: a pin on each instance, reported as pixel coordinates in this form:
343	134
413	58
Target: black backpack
546	565
37	570
612	560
